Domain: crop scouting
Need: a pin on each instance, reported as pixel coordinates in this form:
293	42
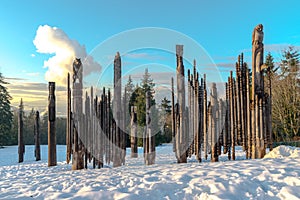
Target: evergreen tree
129	89
166	105
29	120
166	119
138	99
286	97
6	115
271	69
290	62
14	128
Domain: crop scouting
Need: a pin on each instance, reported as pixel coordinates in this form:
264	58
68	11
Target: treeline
29	120
285	91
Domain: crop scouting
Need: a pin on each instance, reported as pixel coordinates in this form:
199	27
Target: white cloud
54	41
32	55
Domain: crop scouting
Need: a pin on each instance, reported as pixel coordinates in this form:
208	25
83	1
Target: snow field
274	177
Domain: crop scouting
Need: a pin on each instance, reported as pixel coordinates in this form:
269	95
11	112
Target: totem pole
181	132
258	92
77	159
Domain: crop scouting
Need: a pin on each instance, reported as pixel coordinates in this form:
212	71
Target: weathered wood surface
21	146
51	125
37	150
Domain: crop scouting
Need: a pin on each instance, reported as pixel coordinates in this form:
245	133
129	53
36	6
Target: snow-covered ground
275	177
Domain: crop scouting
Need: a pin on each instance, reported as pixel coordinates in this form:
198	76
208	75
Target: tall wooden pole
117	109
232	115
214	123
77	129
21	146
270	111
69	127
173	116
258	89
150	139
190	112
182	134
248	117
226	121
133	139
205	128
37	151
51	125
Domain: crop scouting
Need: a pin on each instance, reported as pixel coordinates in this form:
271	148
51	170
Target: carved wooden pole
133	139
226	121
232	115
248	114
86	129
124	133
190	111
201	119
37	151
214	123
110	139
77	159
181	135
150	139
229	115
238	103
221	132
196	114
51	126
205	128
192	114
101	129
117	109
21	146
258	88
173	116
69	127
95	131
270	111
243	103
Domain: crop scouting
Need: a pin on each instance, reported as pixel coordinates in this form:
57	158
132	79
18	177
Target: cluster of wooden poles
216	124
97	131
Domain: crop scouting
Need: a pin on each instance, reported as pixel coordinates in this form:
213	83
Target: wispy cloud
33	74
14	79
145	56
35	95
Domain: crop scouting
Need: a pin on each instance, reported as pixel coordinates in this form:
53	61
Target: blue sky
222	28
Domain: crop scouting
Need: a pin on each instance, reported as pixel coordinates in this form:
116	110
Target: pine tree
166	105
6	115
271	69
166	119
290	62
138	99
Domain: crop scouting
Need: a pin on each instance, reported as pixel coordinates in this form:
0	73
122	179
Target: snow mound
283	152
